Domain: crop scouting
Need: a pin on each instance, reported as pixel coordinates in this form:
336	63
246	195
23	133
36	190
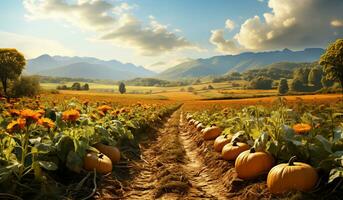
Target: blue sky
159	33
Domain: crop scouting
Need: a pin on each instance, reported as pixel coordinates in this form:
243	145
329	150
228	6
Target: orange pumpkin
200	126
112	152
290	176
220	141
232	150
101	163
211	133
301	128
251	164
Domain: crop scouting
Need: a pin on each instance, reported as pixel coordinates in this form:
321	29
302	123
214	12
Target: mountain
219	65
85	67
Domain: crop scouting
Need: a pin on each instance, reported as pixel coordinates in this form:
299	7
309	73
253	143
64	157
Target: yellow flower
104	108
16	124
46	122
29	114
70	115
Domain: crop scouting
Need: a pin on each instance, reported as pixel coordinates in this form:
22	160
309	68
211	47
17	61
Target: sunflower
104	108
29	114
71	115
16	125
301	128
46	122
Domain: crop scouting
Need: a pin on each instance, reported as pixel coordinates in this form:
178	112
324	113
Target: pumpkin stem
252	150
291	161
101	156
234	143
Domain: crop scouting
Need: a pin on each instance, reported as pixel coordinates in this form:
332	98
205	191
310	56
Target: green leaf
64	146
326	144
74	162
261	141
51	166
335	173
338	134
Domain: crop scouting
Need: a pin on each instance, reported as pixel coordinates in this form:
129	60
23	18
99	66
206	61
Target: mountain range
219	65
85	67
88	67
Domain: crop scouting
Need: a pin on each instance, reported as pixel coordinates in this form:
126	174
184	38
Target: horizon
168	33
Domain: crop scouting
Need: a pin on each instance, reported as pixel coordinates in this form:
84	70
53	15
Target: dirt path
172	169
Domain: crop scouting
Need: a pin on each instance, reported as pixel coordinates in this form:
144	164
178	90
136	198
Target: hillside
219	65
85	67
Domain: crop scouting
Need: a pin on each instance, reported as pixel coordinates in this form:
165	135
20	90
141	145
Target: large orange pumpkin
220	141
232	150
112	152
301	128
290	176
211	133
101	163
251	164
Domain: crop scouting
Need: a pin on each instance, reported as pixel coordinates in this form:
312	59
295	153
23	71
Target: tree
315	76
76	86
326	83
283	86
261	82
210	87
85	87
332	60
297	85
25	86
12	64
302	74
122	88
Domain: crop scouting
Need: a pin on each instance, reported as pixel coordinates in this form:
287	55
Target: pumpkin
291	176
112	152
251	164
220	141
211	133
232	150
199	127
191	122
196	123
98	161
301	128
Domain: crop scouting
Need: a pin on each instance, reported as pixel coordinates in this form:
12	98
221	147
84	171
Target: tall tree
283	86
12	64
301	74
315	76
122	88
332	60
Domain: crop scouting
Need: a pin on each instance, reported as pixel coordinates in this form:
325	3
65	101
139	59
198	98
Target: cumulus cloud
229	24
28	45
293	24
223	45
112	22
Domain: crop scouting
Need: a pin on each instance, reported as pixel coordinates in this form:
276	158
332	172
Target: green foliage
326	82
261	82
122	88
283	86
332	60
315	76
302	74
25	86
12	64
297	85
76	86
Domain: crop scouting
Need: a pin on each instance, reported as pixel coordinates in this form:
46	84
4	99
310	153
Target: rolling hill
219	65
85	67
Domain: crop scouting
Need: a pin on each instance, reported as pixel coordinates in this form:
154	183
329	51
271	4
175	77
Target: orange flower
301	128
41	111
29	114
70	115
16	124
46	122
14	112
104	108
85	102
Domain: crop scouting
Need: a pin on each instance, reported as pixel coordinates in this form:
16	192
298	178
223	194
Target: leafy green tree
12	64
76	86
326	83
122	88
315	76
297	85
283	86
85	87
261	82
332	60
26	86
302	75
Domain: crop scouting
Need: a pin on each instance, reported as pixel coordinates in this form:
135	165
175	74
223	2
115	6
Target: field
103	145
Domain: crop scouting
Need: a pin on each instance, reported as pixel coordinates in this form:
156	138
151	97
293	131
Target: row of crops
47	145
298	148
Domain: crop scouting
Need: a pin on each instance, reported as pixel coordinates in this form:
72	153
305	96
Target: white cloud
229	24
31	46
293	24
111	21
337	23
223	45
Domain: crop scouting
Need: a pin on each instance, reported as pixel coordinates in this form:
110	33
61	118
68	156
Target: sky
159	34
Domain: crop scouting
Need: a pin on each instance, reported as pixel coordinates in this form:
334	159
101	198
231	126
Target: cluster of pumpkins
250	164
102	162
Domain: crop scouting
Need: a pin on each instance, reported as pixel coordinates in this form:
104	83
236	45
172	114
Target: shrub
261	83
25	86
283	86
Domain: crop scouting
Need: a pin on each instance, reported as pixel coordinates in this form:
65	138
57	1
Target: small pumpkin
301	128
221	141
251	164
98	161
200	126
196	123
232	150
211	133
291	176
191	122
112	152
